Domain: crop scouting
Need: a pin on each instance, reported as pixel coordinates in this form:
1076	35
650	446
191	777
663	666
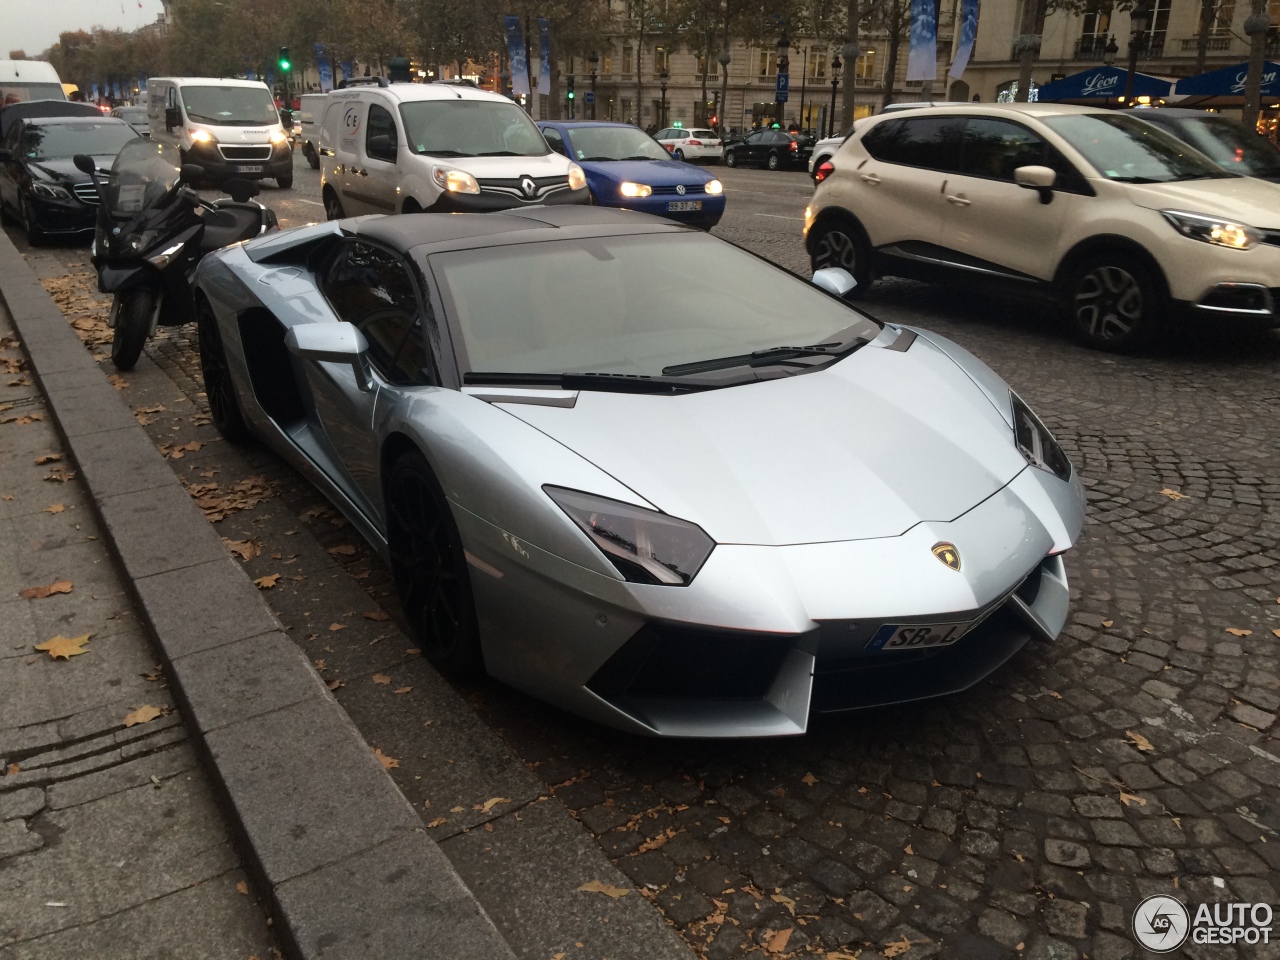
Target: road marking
314	203
778	216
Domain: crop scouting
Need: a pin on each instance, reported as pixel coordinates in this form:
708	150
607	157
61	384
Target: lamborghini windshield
594	306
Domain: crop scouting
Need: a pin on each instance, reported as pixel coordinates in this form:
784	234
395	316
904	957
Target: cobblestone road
1025	818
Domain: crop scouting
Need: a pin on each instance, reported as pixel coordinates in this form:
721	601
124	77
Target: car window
555	140
1129	150
930	142
372	288
471	128
380	124
1231	145
995	148
703	134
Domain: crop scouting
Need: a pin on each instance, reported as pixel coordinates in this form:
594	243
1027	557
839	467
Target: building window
1159	21
768	62
627	113
708	69
865	66
1226	12
817	65
661	60
607	64
626	61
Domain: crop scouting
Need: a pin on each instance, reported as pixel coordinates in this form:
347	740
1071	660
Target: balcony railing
1215	44
1091	47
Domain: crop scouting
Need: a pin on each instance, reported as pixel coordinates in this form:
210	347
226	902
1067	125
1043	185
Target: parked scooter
153	228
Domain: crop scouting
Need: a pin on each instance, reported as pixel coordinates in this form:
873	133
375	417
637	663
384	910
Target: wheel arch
394	446
1108	243
829	215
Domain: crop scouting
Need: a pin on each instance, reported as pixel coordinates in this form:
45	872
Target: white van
413	147
23	80
230	127
309	114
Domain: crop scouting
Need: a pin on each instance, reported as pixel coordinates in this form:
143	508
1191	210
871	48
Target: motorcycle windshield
144	171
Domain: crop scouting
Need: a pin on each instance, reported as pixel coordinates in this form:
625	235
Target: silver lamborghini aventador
702	516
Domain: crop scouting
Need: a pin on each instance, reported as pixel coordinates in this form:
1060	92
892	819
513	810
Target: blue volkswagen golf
626	167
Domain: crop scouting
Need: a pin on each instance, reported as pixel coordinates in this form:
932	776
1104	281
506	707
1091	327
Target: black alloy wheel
838	242
333	206
430	569
219	389
730	158
133	308
774	162
1113	302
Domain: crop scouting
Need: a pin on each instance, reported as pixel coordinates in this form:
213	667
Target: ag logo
948	554
1160	923
680	189
528	186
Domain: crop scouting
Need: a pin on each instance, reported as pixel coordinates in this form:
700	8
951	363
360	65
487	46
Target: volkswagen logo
680	189
528	187
948	554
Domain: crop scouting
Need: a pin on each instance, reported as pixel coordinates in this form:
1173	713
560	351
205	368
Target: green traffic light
285	65
571	94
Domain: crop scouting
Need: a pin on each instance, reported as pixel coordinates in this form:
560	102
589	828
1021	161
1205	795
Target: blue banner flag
544	74
517	56
346	70
142	86
922	57
115	89
324	68
968	33
96	95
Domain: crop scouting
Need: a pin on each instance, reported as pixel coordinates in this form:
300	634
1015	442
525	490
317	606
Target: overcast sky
34	25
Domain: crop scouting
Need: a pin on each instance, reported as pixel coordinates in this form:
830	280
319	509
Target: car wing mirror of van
1037	178
172	118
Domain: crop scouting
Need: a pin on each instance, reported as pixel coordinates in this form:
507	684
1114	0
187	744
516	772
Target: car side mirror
834	280
333	343
1037	178
382	147
84	163
172	118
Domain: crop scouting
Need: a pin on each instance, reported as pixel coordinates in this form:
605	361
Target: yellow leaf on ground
246	549
48	458
595	886
54	508
39	593
896	948
490	804
1276	631
144	714
335	627
1172	494
1139	741
1238	632
388	763
1107	623
908	851
242	887
785	901
334	684
12	770
1128	799
178	452
778	942
437	822
842	955
381	678
381	616
809	779
399	690
345	550
64	648
267	582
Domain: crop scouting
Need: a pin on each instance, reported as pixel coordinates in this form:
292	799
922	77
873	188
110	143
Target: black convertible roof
445	230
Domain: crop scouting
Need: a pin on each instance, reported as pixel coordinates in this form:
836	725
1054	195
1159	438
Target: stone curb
342	856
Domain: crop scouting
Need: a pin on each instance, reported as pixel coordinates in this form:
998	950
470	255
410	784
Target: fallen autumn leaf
1139	741
778	942
64	648
144	714
54	508
47	458
39	593
267	582
595	886
381	616
1238	632
388	763
381	678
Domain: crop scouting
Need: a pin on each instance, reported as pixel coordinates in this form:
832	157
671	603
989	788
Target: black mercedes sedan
40	186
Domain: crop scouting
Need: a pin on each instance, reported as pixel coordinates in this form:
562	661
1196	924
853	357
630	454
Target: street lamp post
593	62
835	82
1139	17
724	89
663	77
784	64
1109	52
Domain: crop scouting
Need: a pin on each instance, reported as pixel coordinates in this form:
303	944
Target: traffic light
284	64
570	84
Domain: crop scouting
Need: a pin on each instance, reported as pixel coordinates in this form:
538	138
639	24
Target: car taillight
825	169
695	143
794	145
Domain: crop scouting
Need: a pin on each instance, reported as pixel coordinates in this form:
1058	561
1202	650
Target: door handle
958	201
870	178
356	172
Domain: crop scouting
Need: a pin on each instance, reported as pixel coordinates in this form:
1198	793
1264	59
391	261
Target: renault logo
528	186
948	554
680	189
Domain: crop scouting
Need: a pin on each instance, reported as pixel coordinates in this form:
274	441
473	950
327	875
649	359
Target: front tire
285	182
313	158
1113	302
133	323
774	162
678	155
730	158
839	242
333	206
219	390
430	569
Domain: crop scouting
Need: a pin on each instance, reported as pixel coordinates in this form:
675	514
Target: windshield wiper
502	153
646	158
611	382
768	356
445	153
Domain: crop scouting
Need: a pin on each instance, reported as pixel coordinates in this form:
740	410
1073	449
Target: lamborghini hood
868	448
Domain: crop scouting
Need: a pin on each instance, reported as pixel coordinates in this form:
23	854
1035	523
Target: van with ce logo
231	128
416	147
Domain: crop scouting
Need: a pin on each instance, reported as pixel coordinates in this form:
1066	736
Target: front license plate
917	636
680	206
249	168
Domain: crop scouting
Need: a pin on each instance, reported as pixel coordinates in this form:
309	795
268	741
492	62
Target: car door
348	118
897	191
751	149
991	222
373	288
375	179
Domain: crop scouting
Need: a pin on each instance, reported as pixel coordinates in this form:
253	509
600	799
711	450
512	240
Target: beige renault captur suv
1120	223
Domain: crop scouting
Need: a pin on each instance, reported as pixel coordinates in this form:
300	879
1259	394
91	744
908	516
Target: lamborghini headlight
629	189
1219	231
577	179
644	545
1036	443
456	181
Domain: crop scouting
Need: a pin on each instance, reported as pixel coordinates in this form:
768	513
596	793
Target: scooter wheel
133	323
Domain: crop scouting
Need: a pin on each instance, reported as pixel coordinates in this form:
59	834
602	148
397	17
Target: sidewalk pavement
111	845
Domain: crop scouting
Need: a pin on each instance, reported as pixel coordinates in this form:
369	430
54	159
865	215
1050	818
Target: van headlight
278	137
201	136
1216	230
1036	443
645	546
456	181
577	179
